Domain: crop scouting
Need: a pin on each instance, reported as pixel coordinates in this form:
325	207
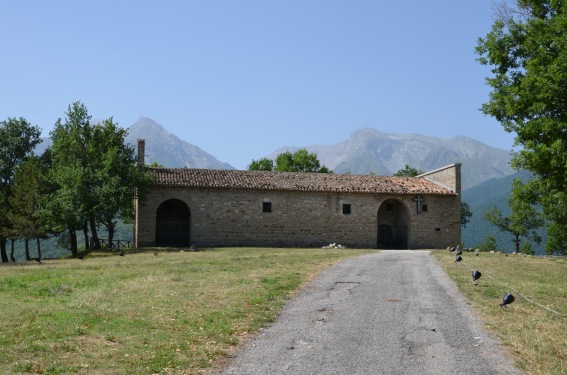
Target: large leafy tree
70	206
263	164
95	175
29	185
117	179
524	220
18	139
299	161
527	51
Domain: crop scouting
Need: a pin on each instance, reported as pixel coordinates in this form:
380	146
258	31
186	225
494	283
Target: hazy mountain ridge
365	151
162	147
372	151
169	150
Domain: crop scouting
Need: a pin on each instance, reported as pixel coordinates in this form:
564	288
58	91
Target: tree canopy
408	171
95	175
524	220
299	161
88	178
527	52
18	139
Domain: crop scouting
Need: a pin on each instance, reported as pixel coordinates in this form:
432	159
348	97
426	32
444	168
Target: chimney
141	152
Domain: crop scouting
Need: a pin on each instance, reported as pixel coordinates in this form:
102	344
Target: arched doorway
393	223
172	223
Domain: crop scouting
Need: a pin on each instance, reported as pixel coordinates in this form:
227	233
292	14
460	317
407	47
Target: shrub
489	244
526	248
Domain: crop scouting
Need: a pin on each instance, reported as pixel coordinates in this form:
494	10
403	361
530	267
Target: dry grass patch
175	313
535	336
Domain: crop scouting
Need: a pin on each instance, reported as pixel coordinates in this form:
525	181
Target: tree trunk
27	247
96	241
38	247
517	243
110	228
3	253
73	240
12	241
27	253
86	233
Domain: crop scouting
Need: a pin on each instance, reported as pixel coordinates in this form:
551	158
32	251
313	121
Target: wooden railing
116	244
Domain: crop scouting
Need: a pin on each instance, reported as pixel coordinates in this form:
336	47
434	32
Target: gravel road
393	312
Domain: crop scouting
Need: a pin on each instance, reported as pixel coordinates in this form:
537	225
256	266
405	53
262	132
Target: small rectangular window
346	209
266	206
389	207
423	207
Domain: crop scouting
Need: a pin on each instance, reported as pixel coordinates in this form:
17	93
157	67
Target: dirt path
395	312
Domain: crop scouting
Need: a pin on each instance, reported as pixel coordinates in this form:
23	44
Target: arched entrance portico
393	225
173	219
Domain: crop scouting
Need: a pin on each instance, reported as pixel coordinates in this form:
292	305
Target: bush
489	244
526	248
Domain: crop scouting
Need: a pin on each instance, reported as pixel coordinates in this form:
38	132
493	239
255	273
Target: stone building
204	207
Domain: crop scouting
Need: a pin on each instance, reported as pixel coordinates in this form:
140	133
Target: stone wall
234	217
448	176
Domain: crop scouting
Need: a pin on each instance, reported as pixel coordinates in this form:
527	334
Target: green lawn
182	312
534	332
175	313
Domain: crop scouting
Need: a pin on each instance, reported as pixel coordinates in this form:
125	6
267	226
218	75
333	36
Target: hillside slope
483	197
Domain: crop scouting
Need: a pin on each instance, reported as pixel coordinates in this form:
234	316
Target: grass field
175	313
182	312
534	332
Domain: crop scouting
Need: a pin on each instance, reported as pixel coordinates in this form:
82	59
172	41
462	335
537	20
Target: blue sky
241	78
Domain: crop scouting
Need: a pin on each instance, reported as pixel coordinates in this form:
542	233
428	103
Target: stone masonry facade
233	213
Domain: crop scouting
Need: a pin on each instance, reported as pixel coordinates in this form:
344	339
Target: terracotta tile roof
288	181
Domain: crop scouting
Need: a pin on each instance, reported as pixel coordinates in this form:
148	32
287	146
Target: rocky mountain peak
167	149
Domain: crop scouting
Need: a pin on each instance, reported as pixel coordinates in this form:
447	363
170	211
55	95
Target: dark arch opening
392	225
173	219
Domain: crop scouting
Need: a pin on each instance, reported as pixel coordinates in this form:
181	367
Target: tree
408	171
18	139
524	220
70	206
95	175
466	214
263	164
117	180
527	50
25	199
299	161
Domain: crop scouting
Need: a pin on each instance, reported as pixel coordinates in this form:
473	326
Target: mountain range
372	151
365	151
